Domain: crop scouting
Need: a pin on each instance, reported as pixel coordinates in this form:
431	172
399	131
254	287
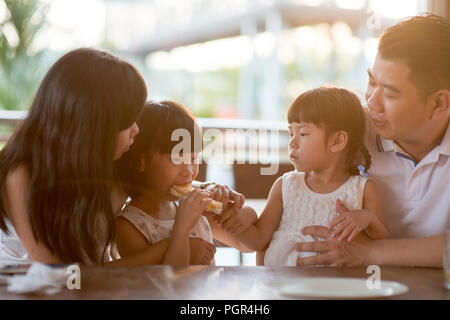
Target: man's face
395	107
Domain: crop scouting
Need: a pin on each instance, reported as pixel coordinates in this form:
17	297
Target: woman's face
125	139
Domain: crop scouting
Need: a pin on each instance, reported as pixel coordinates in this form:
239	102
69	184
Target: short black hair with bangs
335	109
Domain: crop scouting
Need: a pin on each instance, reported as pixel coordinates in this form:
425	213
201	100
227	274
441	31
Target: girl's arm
372	201
225	226
133	244
370	219
134	248
152	254
17	184
258	235
178	252
191	207
225	237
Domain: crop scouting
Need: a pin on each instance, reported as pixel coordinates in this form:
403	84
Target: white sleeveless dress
302	207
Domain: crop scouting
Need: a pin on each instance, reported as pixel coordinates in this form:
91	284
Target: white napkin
40	279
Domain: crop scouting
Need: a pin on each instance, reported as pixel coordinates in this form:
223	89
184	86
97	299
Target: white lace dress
302	207
155	230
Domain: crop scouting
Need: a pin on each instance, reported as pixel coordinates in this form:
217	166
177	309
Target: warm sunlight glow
350	4
3	12
394	9
72	23
208	56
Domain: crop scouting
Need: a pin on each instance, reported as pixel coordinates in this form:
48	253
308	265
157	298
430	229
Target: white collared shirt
415	196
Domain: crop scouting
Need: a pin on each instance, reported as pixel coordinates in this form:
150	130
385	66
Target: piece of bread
181	190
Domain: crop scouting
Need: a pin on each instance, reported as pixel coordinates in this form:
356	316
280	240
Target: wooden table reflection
230	283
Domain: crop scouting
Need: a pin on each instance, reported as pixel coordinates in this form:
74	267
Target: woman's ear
339	141
441	104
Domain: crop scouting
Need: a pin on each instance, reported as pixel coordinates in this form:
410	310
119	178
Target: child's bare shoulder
370	187
277	185
371	195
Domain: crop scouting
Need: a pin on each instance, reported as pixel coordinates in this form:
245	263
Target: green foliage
19	67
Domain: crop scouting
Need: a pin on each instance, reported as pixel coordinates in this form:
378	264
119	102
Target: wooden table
229	283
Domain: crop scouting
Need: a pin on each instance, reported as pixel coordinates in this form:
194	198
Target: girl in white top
147	172
326	126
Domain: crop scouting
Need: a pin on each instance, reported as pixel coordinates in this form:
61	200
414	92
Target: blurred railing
8	121
226	126
244	148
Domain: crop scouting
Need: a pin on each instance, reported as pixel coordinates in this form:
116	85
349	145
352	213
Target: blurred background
237	64
229	59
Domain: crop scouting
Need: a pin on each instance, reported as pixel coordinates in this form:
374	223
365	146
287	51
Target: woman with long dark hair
56	171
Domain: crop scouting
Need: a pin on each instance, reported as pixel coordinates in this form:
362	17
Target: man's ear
441	104
339	141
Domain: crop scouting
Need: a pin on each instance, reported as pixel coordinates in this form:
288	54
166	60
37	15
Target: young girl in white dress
326	127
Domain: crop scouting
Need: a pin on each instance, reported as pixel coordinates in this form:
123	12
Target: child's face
308	147
125	139
165	172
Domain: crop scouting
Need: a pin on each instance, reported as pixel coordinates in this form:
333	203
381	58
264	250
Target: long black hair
335	109
67	143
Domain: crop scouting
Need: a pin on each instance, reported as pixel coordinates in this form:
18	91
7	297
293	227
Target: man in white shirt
408	113
415	194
